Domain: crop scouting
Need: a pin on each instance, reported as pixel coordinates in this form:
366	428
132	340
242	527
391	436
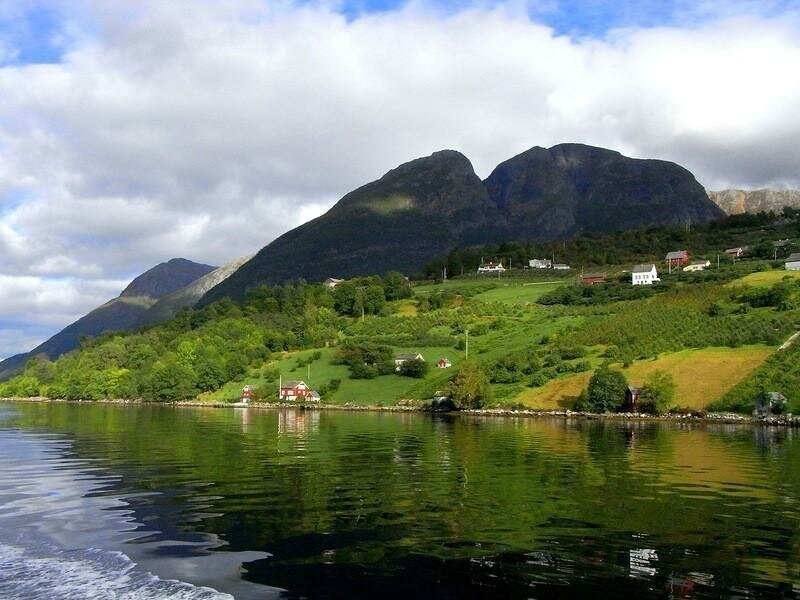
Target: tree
396	286
414	368
470	387
606	391
658	393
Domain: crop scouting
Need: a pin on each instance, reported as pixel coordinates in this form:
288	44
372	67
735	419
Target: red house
592	278
677	258
295	390
248	393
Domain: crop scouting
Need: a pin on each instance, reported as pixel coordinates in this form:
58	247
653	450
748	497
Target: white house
560	267
698	265
492	267
644	275
793	262
540	263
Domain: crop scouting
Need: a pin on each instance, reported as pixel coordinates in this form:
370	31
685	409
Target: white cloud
191	129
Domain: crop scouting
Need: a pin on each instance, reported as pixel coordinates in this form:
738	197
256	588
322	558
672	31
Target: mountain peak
166	278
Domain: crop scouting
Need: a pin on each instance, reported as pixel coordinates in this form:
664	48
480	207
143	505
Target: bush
606	391
470	387
658	393
414	368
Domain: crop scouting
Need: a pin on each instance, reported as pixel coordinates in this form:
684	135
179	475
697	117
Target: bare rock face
737	202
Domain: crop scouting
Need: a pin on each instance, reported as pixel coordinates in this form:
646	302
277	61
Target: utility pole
717	261
308	373
280	385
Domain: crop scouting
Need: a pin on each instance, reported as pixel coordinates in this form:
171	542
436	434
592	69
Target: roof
634	390
407	356
794	257
292	383
676	254
701	262
737	249
643	268
556	265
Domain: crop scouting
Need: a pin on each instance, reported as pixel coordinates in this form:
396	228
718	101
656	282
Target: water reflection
350	504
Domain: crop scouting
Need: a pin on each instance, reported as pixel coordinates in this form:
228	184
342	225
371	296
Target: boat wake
46	572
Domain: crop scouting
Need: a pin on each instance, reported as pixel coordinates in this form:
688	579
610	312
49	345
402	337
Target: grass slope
701	377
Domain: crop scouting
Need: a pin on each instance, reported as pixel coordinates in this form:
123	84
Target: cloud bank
200	130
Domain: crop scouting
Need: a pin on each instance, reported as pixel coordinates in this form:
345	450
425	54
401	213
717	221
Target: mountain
170	305
552	193
427	206
736	202
417	211
118	314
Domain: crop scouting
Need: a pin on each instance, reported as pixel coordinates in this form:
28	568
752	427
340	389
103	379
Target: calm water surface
150	502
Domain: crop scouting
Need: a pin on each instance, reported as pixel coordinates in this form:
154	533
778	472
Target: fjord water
149	502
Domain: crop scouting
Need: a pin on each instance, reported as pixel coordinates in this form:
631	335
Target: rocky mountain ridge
737	202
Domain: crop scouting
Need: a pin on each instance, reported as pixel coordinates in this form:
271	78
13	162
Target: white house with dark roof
644	275
540	263
793	262
401	359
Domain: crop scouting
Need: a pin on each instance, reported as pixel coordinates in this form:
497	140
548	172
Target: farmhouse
401	359
332	282
248	393
560	267
540	263
592	278
678	258
644	275
697	265
735	252
793	262
492	267
444	363
631	403
295	390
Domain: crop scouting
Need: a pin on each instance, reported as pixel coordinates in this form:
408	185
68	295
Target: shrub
470	387
606	391
414	368
658	393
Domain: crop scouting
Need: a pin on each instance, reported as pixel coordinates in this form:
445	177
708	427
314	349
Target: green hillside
534	338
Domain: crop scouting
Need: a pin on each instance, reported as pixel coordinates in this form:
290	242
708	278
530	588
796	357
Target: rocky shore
787	420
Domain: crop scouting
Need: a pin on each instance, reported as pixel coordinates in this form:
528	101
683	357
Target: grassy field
701	376
765	278
381	391
516	292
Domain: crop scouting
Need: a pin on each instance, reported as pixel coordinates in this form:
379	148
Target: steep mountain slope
414	212
736	202
427	206
186	297
558	192
118	314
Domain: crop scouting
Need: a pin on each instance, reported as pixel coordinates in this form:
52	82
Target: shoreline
716	418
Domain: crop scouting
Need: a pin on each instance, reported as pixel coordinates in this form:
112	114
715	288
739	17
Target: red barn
677	258
592	278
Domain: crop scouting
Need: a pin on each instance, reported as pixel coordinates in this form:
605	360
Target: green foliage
470	387
416	368
366	360
585	295
606	391
658	393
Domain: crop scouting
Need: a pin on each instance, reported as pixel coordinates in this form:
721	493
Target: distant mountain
118	314
570	188
186	297
425	207
736	202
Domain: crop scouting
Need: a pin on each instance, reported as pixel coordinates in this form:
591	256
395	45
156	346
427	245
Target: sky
135	131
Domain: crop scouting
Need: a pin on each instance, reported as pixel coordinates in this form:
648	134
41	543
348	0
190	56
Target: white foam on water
48	573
